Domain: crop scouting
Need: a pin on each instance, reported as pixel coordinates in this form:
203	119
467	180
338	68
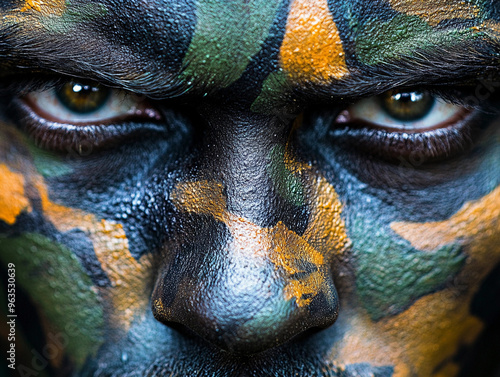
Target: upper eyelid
462	96
15	85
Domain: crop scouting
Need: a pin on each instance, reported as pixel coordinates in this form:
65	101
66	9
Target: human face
251	188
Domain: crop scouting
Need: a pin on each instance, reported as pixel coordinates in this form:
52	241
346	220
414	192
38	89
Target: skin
244	231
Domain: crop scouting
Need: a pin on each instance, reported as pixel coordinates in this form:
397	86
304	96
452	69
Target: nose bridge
265	280
246	158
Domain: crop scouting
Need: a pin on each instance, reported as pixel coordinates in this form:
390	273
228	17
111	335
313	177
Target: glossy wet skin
253	209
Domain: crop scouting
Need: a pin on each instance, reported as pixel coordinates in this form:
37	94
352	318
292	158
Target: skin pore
251	188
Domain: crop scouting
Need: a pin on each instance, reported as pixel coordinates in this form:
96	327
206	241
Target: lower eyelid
430	145
64	137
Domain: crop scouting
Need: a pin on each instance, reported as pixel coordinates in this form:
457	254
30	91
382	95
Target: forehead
172	47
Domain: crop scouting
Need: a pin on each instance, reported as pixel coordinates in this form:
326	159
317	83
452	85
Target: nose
245	271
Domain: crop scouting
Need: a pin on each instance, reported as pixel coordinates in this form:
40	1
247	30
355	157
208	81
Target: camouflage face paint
68	300
378	42
12	200
312	50
292	254
77	313
434	12
225	240
226	38
45	8
56	16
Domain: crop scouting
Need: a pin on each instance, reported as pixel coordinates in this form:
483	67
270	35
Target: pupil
407	106
82	98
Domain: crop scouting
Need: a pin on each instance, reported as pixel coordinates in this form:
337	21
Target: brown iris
407	106
81	97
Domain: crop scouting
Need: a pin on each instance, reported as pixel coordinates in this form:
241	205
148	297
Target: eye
82	98
83	115
86	103
405	123
403	111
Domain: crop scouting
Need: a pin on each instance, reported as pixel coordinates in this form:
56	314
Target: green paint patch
392	275
48	164
275	94
227	35
74	13
288	185
378	42
59	286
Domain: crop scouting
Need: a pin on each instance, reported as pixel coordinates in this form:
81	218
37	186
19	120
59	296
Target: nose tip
244	312
254	291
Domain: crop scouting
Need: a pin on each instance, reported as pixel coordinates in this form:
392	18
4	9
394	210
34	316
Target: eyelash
67	137
396	146
393	146
64	137
434	144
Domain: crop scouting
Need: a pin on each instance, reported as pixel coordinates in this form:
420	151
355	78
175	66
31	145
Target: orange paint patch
416	341
491	27
131	280
45	7
289	252
312	50
435	11
202	197
12	197
326	227
476	220
432	330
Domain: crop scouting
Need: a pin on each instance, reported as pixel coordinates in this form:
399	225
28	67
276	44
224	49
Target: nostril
243	324
245	288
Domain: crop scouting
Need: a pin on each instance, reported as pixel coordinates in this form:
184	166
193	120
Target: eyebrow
92	58
100	60
463	64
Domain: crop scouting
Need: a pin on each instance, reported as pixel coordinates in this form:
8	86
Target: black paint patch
351	16
157	31
481	359
7	5
82	247
33	222
201	246
486	302
28	326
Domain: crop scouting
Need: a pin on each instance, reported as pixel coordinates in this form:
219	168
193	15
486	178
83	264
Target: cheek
420	330
76	267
